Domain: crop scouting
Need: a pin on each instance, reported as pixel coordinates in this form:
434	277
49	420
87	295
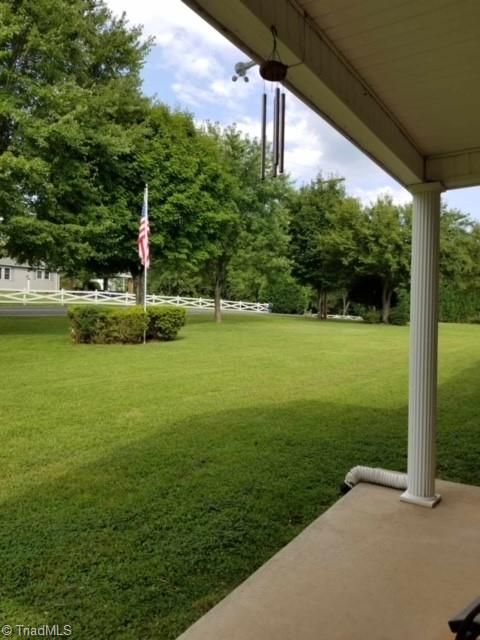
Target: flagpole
145	269
145	300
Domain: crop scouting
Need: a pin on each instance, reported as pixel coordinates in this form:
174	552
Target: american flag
144	233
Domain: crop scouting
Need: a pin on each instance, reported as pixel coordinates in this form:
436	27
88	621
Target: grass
140	484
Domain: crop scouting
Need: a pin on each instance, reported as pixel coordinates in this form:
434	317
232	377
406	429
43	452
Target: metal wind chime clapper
273	70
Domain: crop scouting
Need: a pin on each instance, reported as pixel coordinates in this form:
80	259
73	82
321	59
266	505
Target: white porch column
422	410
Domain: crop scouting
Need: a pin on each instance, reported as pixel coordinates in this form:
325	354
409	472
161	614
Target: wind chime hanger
273	70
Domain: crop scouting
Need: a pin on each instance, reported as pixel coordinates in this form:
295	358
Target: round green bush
98	324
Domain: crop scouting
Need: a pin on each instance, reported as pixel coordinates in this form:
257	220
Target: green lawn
140	484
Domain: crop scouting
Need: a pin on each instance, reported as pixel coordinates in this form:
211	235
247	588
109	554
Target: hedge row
106	325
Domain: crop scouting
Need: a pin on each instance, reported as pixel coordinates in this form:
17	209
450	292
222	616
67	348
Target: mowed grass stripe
140	484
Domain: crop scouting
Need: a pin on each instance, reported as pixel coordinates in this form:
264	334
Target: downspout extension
382	477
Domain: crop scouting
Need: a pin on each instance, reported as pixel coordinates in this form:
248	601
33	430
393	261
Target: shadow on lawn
140	544
34	326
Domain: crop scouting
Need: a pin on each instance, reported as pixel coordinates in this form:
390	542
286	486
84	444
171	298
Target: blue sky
191	66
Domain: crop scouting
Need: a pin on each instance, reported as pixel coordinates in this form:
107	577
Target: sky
191	66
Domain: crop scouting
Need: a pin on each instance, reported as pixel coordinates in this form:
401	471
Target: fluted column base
421	502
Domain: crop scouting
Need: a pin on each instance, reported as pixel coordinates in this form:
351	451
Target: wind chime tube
264	136
282	134
276	130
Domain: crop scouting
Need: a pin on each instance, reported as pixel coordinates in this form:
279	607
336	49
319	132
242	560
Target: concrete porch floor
369	567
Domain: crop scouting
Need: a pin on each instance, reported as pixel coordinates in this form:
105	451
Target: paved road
37	311
32	312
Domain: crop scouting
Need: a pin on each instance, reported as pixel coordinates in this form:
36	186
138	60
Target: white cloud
202	66
249	126
198	58
223	88
189	95
166	19
303	144
302	161
369	196
201	95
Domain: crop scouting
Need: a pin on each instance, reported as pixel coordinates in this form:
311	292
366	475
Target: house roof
10	262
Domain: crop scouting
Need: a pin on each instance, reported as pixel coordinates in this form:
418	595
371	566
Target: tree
339	245
194	193
323	230
385	247
234	227
233	192
224	219
261	262
71	112
176	160
459	266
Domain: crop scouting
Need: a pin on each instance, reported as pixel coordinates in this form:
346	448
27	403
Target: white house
14	275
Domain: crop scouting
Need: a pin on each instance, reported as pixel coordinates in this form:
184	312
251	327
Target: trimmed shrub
457	304
83	320
125	325
287	296
400	313
370	315
107	325
164	323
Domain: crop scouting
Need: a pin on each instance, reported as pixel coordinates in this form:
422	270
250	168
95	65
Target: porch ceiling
401	78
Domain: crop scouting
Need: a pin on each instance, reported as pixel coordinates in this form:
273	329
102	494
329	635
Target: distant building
21	276
120	283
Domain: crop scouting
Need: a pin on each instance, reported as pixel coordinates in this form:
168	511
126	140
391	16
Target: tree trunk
218	300
386	301
105	283
345	303
319	303
324	306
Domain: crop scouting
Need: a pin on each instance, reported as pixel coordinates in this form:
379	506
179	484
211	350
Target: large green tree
224	221
192	208
384	243
71	113
323	230
459	266
251	249
261	261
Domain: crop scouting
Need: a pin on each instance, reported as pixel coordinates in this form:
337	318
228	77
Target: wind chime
273	70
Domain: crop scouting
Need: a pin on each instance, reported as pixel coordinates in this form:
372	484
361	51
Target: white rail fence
64	296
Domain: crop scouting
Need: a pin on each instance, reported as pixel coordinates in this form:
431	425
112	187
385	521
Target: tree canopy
79	140
71	111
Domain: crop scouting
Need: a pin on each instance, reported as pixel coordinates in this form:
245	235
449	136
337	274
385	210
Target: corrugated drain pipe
374	476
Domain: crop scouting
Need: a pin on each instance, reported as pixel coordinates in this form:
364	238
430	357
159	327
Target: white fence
63	296
340	317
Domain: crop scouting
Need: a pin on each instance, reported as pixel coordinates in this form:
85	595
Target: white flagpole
145	268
